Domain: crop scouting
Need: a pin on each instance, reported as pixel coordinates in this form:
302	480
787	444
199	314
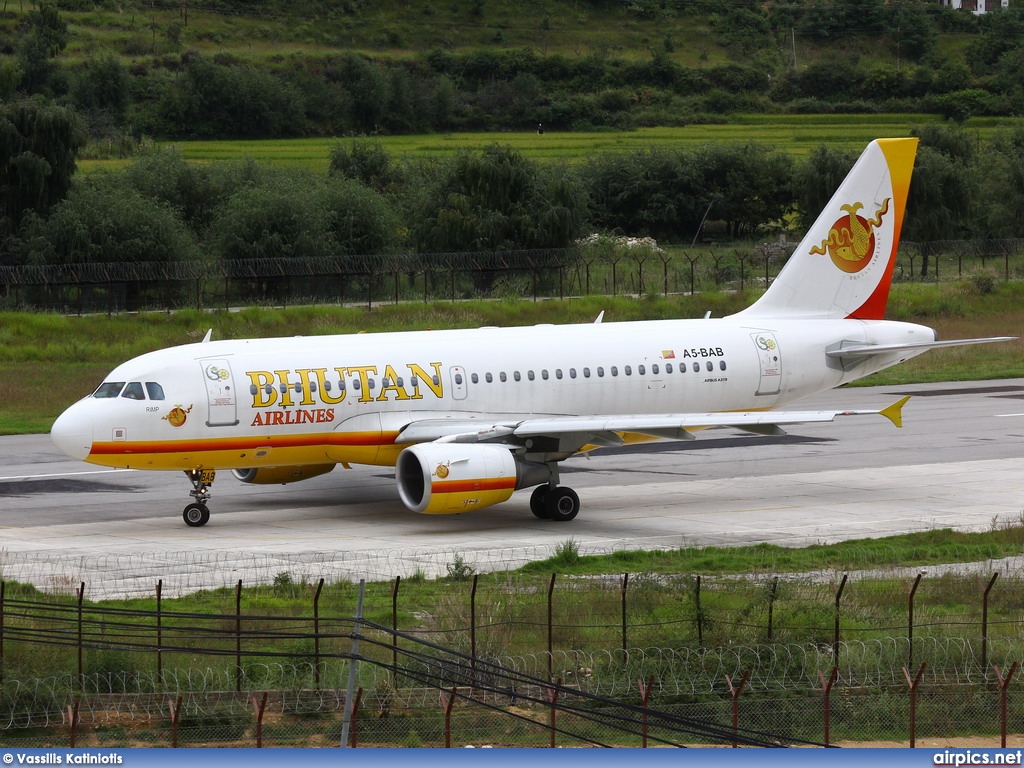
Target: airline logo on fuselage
316	389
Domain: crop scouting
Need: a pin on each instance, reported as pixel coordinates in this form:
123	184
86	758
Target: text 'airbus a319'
467	417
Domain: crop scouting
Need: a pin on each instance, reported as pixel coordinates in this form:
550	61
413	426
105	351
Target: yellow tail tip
894	412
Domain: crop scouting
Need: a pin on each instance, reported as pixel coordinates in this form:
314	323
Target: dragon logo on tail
851	241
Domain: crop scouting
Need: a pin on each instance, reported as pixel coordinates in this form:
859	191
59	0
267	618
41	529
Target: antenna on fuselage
600	317
206	338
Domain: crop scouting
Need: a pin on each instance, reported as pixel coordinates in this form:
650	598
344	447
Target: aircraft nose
72	432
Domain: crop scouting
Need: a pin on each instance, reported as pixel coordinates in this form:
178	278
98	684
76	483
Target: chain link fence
503	658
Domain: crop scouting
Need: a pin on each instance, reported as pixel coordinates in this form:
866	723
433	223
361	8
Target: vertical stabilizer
843	267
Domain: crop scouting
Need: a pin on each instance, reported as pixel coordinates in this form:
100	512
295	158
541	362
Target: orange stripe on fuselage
327	440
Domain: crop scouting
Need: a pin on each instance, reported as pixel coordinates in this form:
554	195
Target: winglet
894	412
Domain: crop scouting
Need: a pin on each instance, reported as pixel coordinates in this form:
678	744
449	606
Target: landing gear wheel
538	502
196	515
562	504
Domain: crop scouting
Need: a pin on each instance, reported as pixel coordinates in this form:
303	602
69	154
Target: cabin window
355	384
298	389
654	369
268	389
436	380
641	370
371	383
696	367
458	378
154	390
600	371
558	373
252	389
475	379
615	370
312	386
341	385
572	373
134	391
327	386
668	367
544	374
109	389
386	382
502	376
721	364
401	383
710	365
516	376
414	381
529	375
283	388
488	377
629	370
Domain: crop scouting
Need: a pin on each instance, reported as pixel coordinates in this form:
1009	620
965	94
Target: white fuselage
341	399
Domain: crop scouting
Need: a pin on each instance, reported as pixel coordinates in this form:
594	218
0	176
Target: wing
569	434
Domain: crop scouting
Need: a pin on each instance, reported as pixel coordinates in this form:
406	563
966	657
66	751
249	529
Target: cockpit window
134	391
154	390
109	389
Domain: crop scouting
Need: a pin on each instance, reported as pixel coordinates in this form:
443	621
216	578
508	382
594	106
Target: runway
958	463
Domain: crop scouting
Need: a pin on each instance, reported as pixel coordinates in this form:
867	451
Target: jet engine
281	475
446	478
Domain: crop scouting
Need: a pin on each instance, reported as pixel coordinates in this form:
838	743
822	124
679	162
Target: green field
797	134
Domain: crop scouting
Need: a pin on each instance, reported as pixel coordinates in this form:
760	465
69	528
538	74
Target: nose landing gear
198	514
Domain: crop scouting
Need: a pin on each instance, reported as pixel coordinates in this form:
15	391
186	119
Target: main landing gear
198	514
554	503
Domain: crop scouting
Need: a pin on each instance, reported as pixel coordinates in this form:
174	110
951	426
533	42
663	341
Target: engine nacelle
447	478
281	475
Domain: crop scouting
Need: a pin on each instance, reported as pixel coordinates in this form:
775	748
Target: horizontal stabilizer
870	350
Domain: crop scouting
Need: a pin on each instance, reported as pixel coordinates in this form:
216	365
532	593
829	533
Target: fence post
913	700
1003	686
238	636
645	697
699	613
448	700
355	717
394	631
771	607
552	696
984	621
73	721
316	634
735	693
260	706
625	583
910	621
159	631
357	628
551	657
81	671
472	630
835	636
175	716
3	597
826	696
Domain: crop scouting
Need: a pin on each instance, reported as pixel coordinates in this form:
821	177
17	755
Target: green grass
798	135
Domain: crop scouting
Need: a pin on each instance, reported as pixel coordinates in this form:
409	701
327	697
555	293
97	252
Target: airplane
467	417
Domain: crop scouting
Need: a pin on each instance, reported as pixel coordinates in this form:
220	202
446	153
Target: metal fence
514	659
116	287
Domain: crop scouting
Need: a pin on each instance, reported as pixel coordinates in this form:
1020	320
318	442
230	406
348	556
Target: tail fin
843	267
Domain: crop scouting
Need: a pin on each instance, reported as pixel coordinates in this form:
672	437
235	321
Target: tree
496	199
939	204
816	180
39	143
45	36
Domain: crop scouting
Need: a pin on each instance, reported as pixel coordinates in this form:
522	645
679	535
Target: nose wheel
198	514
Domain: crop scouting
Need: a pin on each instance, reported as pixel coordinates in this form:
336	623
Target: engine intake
447	478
